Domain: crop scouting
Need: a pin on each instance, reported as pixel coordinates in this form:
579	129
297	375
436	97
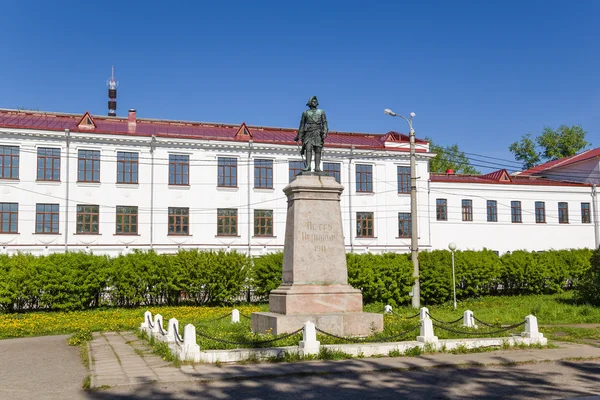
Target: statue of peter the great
312	132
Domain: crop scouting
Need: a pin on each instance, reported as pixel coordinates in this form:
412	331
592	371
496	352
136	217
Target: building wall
504	235
586	172
202	196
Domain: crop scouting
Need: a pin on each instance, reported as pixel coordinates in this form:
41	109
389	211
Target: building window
540	212
404	225
9	215
9	162
127	167
179	169
179	221
467	210
88	217
127	220
295	168
585	213
563	212
364	225
492	211
227	172
227	222
333	169
46	218
263	174
48	164
364	178
88	166
515	211
263	222
403	179
441	210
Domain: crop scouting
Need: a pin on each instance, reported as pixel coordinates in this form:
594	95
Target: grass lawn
550	309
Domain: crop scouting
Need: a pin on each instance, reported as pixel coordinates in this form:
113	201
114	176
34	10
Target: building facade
110	185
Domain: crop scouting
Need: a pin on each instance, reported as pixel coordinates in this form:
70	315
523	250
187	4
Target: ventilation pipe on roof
131	120
449	172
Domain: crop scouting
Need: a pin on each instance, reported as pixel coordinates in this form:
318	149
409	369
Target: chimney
131	120
449	172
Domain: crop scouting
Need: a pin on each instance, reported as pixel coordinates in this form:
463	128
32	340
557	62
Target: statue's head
313	102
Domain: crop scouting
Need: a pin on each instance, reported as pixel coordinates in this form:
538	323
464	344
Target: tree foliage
550	145
449	157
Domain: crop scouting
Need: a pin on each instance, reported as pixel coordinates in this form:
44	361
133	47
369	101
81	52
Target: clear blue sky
477	73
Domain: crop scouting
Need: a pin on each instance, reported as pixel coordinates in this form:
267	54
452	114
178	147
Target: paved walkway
121	359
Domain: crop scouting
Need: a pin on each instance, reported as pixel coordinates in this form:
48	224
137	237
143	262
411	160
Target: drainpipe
152	148
68	142
595	216
350	199
249	210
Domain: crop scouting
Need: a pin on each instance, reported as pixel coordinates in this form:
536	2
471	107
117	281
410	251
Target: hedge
76	281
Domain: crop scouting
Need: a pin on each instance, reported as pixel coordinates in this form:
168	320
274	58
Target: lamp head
452	246
389	112
412	115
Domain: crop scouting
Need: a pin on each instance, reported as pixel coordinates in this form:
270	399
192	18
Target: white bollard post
235	316
424	313
309	344
387	309
145	326
171	328
427	335
532	332
158	326
191	351
469	319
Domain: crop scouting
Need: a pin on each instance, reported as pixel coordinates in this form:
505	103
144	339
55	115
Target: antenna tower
112	94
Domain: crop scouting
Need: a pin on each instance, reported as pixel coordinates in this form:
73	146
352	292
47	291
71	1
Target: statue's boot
308	160
317	161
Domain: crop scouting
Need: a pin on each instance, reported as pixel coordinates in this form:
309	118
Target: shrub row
75	281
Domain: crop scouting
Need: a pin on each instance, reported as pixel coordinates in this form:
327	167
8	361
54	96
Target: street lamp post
414	239
452	247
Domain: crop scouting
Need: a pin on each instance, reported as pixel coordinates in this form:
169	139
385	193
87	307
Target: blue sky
477	73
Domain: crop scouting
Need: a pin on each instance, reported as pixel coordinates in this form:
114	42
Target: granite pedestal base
342	324
313	299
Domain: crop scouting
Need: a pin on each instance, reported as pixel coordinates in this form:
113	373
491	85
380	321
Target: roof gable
86	122
243	133
500	176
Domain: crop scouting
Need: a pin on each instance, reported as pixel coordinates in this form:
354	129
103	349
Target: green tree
550	145
449	157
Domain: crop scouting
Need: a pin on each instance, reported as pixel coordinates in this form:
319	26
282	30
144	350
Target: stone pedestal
315	277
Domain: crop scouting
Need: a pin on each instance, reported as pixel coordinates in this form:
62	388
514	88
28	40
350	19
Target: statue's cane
301	154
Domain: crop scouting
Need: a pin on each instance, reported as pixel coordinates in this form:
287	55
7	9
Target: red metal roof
191	130
561	162
494	179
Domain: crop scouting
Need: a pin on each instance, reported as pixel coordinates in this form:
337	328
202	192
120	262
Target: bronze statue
312	132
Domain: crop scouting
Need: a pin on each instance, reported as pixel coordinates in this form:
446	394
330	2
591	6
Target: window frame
13	155
441	209
134	167
54	212
120	212
492	211
404	221
55	171
516	212
333	169
586	215
227	172
95	165
83	210
563	212
263	173
540	212
403	173
181	219
294	168
181	177
467	210
227	222
262	223
13	217
364	171
362	224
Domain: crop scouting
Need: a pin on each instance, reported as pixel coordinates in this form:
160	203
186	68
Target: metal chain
402	316
483	323
250	343
161	330
149	320
177	337
444	322
245	316
508	328
372	340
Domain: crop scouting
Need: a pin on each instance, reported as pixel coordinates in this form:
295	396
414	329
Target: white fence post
158	326
171	329
424	313
191	351
427	335
235	316
309	343
145	326
469	319
532	332
387	309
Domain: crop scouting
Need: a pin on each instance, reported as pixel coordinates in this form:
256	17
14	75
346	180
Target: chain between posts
149	320
445	322
508	328
373	340
402	316
483	323
250	343
177	337
245	316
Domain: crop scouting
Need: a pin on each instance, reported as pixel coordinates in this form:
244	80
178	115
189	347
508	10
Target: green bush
266	273
588	288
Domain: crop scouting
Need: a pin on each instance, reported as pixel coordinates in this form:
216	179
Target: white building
110	184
